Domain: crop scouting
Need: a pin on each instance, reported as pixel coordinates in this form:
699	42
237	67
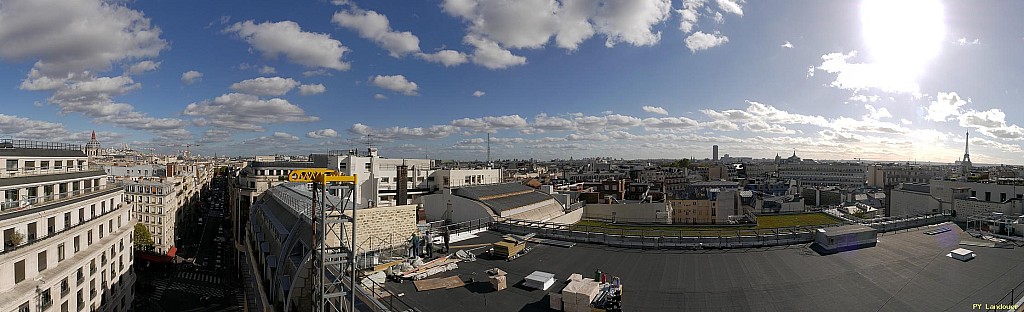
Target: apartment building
66	234
154	203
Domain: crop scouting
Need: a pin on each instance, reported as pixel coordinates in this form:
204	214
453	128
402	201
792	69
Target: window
81	300
79	277
64	287
19	271
51	225
81	215
67	220
92	266
78	245
12	165
45	301
101	231
60	252
367	165
41	264
88	237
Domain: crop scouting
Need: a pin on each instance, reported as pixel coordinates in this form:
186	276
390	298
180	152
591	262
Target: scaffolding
331	260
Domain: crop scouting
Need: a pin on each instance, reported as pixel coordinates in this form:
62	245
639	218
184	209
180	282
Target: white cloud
379	96
245	112
532	23
266	86
991	123
376	27
906	121
94	96
544	122
29	129
861	76
945	106
721	125
762	118
479	93
286	38
311	89
488	54
759	125
963	42
191	77
75	36
865	98
587	137
396	83
316	72
447	58
143	66
878	113
689	14
267	70
322	134
630	21
402	133
703	41
787	45
671	123
491	123
730	6
655	110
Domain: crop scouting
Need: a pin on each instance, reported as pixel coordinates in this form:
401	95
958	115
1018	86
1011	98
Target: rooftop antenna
488	150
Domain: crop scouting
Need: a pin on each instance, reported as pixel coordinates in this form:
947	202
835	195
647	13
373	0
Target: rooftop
502	197
9	147
907	271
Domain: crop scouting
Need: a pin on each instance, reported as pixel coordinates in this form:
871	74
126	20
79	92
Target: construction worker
447	239
415	246
429	244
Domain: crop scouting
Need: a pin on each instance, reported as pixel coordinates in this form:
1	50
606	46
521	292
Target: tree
142	238
17	238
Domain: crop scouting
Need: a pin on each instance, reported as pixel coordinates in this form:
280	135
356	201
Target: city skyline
546	79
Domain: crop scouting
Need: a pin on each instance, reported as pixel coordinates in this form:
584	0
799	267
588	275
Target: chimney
403	177
170	170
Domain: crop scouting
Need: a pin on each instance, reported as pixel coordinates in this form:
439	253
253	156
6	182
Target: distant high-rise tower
965	165
714	152
92	148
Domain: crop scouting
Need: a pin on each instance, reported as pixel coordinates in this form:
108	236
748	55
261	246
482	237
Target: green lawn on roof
765	226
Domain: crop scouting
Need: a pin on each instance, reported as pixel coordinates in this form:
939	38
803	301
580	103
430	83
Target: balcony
39	171
42	201
11	247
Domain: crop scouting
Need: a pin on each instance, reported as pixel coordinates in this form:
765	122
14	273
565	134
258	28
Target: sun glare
903	35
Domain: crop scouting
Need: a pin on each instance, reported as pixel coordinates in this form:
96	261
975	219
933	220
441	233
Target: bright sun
903	35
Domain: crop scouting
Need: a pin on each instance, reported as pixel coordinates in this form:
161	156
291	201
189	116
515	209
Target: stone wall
382	227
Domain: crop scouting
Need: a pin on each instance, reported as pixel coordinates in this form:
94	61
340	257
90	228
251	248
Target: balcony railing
37	171
10	248
31	202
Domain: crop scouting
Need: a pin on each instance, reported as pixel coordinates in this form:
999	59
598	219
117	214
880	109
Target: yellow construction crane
329	286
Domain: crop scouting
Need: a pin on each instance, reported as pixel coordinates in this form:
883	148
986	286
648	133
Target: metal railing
32	202
27	243
37	171
386	297
11	143
1008	300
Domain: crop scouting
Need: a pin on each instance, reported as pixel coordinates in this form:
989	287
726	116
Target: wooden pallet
439	283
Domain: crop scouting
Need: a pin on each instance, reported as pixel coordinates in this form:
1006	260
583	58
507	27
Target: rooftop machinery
330	257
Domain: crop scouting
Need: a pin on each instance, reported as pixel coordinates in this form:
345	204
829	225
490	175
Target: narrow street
205	279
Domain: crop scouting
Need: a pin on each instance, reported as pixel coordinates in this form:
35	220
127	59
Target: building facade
154	202
67	236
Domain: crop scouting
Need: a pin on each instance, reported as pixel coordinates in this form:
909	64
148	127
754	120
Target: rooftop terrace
907	271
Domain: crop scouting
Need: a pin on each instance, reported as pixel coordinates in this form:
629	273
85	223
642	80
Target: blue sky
547	79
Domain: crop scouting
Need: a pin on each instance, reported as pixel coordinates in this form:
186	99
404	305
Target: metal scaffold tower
331	258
